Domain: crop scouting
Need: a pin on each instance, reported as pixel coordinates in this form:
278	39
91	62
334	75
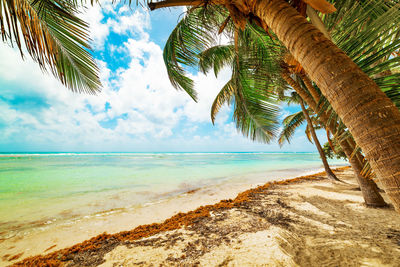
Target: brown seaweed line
175	222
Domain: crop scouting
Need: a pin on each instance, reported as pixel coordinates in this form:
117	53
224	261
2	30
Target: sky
137	111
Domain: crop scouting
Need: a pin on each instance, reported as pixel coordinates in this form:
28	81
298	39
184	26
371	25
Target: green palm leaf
290	124
256	110
54	37
193	34
224	96
216	58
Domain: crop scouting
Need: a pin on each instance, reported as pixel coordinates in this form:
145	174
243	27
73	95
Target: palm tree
296	120
51	33
216	57
352	94
368	187
328	170
387	83
242	57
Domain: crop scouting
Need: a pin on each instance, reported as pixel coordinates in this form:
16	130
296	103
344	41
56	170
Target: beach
200	133
53	201
308	220
48	188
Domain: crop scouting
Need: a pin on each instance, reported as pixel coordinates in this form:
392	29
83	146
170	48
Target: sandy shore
47	237
309	221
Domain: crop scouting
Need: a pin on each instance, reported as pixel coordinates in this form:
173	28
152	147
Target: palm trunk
371	117
328	170
368	187
311	88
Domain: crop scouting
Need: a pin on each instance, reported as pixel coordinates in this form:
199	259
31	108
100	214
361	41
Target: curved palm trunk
328	170
310	88
368	187
371	117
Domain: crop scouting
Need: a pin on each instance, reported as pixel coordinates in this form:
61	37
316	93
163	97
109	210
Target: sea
43	188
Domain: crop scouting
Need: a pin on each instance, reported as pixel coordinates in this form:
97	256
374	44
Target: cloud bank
137	110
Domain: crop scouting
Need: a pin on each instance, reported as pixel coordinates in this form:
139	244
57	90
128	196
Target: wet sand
309	221
47	236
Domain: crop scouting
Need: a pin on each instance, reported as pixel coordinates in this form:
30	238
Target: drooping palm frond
255	113
255	104
254	79
224	96
290	124
216	58
54	37
194	34
255	109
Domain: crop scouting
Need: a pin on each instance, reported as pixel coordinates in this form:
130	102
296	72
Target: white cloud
144	112
123	20
128	21
141	100
98	30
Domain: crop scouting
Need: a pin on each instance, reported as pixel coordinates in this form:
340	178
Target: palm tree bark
371	117
310	88
328	170
368	187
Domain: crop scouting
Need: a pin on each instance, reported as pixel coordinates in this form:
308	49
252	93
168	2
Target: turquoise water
40	188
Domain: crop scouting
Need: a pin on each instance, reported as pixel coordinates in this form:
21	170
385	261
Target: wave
136	154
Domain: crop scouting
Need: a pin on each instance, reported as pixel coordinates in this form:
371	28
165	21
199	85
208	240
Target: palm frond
194	34
290	124
225	96
216	58
54	37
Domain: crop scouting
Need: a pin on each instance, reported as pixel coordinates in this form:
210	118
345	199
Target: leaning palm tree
296	120
352	94
244	55
388	83
368	187
52	34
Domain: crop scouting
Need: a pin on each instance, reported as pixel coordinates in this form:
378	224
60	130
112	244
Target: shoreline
60	234
100	184
211	186
53	237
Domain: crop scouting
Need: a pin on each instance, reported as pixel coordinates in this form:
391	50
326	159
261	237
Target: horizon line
44	152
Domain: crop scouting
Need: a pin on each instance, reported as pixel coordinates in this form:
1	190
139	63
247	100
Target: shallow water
40	189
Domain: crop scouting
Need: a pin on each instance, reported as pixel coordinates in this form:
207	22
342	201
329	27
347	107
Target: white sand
330	227
61	235
314	223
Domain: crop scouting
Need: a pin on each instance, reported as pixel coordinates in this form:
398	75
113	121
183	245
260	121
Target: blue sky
137	110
